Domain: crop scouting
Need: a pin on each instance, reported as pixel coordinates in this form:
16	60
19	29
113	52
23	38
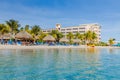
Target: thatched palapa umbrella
76	40
7	36
64	39
23	35
0	36
49	38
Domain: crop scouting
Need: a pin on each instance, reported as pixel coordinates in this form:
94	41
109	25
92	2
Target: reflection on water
59	64
110	50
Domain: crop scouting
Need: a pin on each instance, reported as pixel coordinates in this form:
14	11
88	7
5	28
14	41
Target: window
62	29
75	31
81	28
75	28
68	32
68	29
82	31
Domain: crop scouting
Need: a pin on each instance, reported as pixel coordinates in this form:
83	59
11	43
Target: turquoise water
60	64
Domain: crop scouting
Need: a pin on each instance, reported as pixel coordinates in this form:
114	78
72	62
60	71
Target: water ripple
60	64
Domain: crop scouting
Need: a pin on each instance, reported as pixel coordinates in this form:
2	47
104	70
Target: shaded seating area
7	39
24	38
50	40
18	42
64	41
37	41
76	42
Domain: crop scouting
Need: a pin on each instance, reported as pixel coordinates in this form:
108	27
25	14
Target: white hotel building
81	29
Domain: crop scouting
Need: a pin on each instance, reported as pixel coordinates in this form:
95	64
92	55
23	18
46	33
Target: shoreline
51	47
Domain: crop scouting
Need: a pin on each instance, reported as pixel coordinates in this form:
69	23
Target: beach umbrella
49	38
1	37
7	36
23	35
64	39
76	40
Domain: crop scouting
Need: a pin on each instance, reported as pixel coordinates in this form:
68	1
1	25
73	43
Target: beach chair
51	44
19	43
10	42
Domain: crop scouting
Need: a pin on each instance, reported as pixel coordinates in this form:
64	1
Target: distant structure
58	26
81	29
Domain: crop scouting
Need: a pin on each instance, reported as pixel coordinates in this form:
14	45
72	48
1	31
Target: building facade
81	29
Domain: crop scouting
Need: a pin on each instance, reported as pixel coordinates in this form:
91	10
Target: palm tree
13	24
82	38
41	36
90	37
4	29
111	41
70	36
35	30
21	29
59	36
77	35
56	34
27	27
86	37
94	37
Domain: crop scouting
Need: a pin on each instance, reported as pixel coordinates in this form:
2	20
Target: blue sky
47	13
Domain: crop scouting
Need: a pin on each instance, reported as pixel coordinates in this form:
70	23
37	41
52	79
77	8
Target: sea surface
60	64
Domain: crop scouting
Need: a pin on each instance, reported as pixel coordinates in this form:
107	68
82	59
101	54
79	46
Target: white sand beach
47	47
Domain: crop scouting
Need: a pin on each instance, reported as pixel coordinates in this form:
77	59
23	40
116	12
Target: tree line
12	26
